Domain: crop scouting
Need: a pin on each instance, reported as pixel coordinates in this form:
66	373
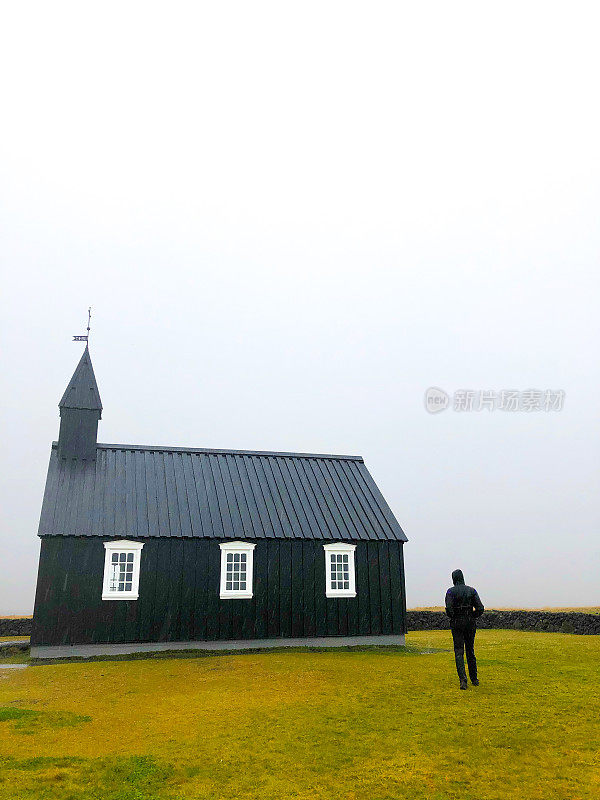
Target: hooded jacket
462	602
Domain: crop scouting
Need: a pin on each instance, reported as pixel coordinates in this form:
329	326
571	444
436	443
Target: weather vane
85	338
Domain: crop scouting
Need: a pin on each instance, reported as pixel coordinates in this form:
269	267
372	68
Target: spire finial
85	338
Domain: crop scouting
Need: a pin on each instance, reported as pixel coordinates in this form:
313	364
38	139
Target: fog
290	221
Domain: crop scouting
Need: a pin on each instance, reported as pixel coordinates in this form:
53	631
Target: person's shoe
474	681
464	684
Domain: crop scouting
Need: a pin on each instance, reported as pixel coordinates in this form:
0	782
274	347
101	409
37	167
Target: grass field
345	724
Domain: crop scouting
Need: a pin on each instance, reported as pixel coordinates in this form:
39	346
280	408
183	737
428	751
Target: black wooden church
191	547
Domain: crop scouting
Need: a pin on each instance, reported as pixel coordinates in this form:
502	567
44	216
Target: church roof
132	491
82	391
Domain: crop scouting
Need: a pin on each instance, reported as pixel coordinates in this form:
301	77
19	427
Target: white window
339	569
236	569
121	570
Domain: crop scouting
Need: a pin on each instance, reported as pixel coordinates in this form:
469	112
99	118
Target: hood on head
457	577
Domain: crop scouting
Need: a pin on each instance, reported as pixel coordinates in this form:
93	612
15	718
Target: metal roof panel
140	492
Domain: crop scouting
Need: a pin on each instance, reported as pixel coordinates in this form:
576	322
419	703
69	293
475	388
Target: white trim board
233	549
91	650
131	548
346	550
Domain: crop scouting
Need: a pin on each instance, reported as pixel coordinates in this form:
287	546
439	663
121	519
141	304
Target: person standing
463	606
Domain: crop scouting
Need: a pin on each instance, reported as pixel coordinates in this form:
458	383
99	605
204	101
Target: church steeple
80	410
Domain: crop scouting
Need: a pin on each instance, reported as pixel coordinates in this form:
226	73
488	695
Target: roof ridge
223	451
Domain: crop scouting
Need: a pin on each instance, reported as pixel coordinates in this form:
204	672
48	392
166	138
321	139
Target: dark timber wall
179	593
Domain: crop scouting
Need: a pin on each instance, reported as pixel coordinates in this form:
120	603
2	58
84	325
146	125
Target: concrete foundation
91	650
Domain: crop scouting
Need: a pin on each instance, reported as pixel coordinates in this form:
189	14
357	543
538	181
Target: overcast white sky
290	220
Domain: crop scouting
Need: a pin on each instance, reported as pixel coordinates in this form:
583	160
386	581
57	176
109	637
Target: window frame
237	547
122	546
340	548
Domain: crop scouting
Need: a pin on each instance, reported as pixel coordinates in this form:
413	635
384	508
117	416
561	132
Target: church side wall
179	593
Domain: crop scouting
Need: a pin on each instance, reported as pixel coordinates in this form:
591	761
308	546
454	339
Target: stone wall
553	621
15	627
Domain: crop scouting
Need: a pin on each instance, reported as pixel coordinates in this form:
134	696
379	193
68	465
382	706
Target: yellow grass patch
349	725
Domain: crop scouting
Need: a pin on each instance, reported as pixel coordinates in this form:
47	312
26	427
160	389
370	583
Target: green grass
121	778
28	721
14	655
346	724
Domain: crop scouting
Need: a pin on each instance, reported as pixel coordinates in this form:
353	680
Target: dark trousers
463	635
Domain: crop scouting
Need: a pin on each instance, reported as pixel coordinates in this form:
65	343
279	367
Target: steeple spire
80	410
82	391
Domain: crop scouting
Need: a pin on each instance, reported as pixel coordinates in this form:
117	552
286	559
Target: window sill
236	596
120	596
340	594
